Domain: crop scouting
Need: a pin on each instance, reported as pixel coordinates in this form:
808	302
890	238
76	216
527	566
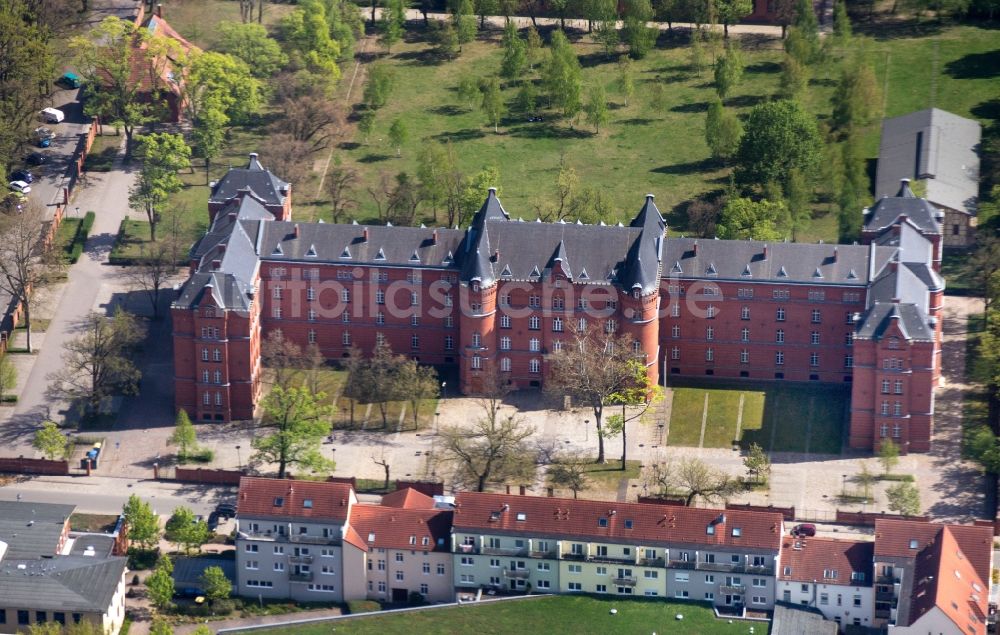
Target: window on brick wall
817	316
814	337
779	358
449	343
744	356
709	334
709	354
414	341
505	321
534	366
505	343
814	359
534	345
675	352
380	318
745	334
745	313
477	362
779	314
534	323
216	355
312	336
557	325
505	364
204	354
897	387
779	336
345	339
380	339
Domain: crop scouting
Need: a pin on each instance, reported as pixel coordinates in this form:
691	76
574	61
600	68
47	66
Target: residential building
405	543
289	540
505	294
48	574
830	575
522	543
931	577
941	151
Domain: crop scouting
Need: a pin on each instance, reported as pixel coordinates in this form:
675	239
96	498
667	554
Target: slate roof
287	499
892	540
818	559
935	145
744	261
880	317
62	583
383	527
945	579
346	244
264	185
888	209
32	530
629	523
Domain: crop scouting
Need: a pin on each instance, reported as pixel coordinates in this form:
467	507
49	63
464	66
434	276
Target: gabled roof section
630	523
422	530
826	560
408	498
253	178
893	539
284	498
491	210
561	260
946	580
63	583
935	145
890	210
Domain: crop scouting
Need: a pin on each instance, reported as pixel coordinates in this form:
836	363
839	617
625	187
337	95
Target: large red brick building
504	293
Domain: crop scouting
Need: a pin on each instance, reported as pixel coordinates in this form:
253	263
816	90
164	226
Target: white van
52	115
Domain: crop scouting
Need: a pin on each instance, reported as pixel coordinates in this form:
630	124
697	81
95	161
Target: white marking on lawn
739	417
704	420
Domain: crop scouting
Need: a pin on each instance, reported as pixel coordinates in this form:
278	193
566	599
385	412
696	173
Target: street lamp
660	426
444	387
586	430
77	211
239	459
843	485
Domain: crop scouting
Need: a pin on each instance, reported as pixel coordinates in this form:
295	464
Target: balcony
624	581
737	589
759	569
466	548
504	551
724	567
306	539
574	556
650	562
882	614
885	596
682	564
302	576
517	574
886	579
612	559
541	554
303	559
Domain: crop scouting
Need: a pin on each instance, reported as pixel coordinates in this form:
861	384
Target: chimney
835	254
159	10
296	230
253	156
222	248
496	256
694	248
216	265
364	235
232	216
765	252
434	237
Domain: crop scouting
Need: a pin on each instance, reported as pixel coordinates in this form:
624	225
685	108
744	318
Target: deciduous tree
187	531
515	54
626	78
888	456
341	186
731	11
697	479
160	584
297	422
493	104
463	21
757	463
640	394
391	24
25	265
215	583
728	70
569	472
163	155
141	523
597	107
636	32
250	43
97	363
398	134
51	442
562	76
904	498
746	219
723	131
493	449
184	436
778	136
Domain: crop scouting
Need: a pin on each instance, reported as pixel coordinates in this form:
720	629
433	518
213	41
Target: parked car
213	521
22	175
227	510
69	80
52	115
37	158
41	132
805	529
19	186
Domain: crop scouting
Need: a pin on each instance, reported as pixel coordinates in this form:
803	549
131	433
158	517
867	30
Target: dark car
188	592
22	175
805	529
37	158
213	521
225	509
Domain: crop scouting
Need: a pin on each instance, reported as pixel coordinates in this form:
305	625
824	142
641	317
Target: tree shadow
448	110
692	167
548	131
422	57
989	109
637	121
975	66
693	107
374	158
467	134
592	60
822	81
746	101
887	28
349	145
763	67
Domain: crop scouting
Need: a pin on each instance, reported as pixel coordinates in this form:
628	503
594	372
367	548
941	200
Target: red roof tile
283	498
408	498
826	560
946	579
396	528
613	521
892	539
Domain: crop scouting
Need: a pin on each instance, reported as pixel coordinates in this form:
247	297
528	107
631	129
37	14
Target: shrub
75	253
87	224
200	455
223	607
362	606
141	559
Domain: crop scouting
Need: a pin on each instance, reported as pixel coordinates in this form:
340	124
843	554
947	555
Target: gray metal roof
912	322
100	544
793	619
744	260
935	145
888	209
188	571
32	530
61	583
264	185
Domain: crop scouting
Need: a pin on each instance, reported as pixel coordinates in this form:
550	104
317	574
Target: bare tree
310	118
693	478
25	262
341	182
381	194
97	363
313	363
492	450
246	10
420	383
156	264
381	460
569	472
289	157
282	356
591	368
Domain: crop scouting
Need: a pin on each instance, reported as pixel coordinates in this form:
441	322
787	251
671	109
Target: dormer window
307	503
279	501
475	286
371	537
602	522
628	524
737	532
413	540
424	541
521	516
913	543
710	530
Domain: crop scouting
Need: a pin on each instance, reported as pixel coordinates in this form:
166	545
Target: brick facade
492	296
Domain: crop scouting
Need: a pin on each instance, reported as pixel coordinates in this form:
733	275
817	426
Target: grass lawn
607	476
199	21
100	523
774	414
103	153
570	615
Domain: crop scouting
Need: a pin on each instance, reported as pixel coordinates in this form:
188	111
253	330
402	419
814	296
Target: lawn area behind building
557	615
780	416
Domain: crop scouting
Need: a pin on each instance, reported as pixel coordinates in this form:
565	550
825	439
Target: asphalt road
49	177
